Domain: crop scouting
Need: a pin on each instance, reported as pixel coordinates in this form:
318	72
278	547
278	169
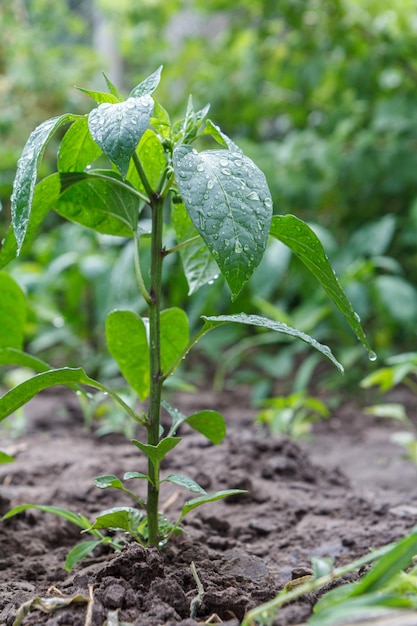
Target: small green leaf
174	336
27	171
12	312
391	410
229	203
108	481
131	475
184	481
80	551
210	497
128	345
147	86
5	458
209	423
263	322
152	156
117	128
100	97
302	240
199	266
77	149
112	88
74	518
118	518
98	201
159	452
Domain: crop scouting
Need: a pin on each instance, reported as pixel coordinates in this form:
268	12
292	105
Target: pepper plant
157	175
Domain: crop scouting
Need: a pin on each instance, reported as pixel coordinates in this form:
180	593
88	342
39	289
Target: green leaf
147	86
302	240
112	88
199	266
209	423
397	559
174	336
12	356
210	497
117	128
131	475
101	202
160	121
263	322
12	312
5	458
128	345
74	518
152	156
118	518
27	171
100	97
184	481
363	607
80	551
159	452
19	395
108	481
229	203
45	195
77	149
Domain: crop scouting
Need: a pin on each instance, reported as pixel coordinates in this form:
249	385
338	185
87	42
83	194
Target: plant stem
156	380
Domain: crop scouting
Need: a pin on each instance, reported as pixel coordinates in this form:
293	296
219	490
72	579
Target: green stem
181	245
138	271
156	379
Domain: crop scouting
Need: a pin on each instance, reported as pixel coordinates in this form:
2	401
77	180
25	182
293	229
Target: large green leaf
78	149
27	171
199	266
12	312
228	200
45	194
302	240
280	327
128	345
174	336
117	128
100	202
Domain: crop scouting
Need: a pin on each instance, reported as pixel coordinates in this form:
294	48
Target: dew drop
253	196
246	247
182	174
210	184
130	103
372	356
268	203
238	247
357	318
209	213
200	167
224	162
226	171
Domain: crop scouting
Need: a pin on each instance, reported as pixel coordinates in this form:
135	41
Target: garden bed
339	495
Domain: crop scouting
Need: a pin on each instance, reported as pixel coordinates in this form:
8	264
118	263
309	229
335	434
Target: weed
219	205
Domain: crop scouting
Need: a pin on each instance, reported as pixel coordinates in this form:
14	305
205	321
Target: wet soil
338	495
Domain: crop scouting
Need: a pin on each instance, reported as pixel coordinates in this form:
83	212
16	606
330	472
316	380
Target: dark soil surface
344	492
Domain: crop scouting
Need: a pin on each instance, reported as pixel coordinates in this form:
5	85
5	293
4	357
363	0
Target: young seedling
219	205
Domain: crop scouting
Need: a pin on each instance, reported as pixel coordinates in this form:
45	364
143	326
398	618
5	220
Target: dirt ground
344	492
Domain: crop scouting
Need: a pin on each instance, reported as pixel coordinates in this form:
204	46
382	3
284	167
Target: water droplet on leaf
372	356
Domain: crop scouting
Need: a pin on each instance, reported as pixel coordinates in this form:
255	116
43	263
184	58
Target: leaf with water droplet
235	214
27	171
199	266
113	129
128	345
263	322
303	241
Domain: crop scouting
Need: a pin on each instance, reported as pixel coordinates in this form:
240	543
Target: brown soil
336	496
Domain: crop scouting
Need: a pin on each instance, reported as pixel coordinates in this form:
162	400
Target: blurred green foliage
320	93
